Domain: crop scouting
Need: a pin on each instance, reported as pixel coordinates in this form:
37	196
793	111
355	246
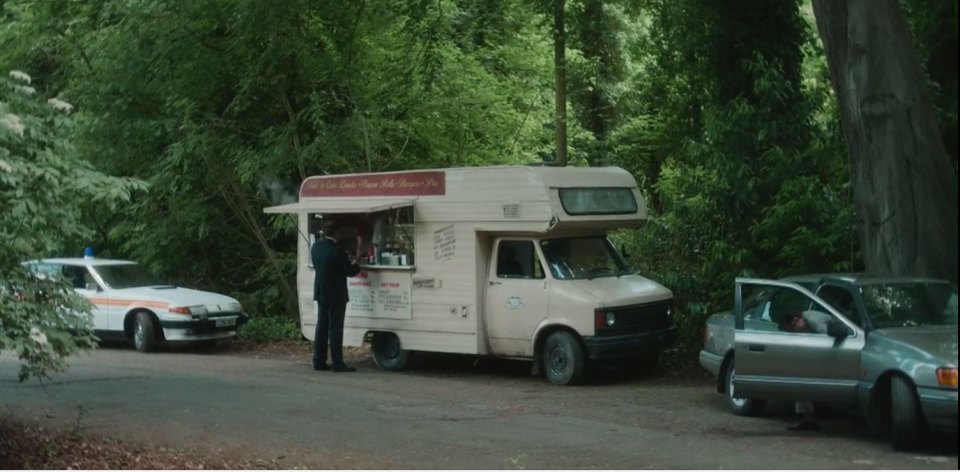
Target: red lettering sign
376	185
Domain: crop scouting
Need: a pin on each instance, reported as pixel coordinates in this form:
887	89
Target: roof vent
511	211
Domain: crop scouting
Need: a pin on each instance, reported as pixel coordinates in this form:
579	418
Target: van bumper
629	345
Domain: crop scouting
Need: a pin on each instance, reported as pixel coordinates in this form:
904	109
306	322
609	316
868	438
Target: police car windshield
127	276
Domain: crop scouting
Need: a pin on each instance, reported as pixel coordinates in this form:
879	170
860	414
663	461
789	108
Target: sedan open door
791	345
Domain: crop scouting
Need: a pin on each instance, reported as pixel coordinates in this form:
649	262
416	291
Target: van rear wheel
563	359
388	354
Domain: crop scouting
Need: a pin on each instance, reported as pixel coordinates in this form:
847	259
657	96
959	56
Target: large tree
905	189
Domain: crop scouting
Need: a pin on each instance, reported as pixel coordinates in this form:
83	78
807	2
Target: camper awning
340	205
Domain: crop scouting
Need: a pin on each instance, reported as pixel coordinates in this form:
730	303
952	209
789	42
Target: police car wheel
145	333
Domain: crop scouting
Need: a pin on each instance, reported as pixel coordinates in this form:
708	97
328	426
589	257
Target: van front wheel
563	359
387	353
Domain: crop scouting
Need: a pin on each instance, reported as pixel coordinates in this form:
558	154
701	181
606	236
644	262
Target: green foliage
270	328
739	151
723	111
223	108
42	182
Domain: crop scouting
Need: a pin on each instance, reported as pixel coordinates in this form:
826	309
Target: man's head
333	229
796	323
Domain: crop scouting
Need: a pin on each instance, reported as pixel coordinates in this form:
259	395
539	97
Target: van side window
518	260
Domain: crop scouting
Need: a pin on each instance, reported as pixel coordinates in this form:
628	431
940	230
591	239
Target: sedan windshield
583	258
910	304
127	276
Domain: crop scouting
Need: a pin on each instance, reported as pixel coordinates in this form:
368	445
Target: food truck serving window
598	201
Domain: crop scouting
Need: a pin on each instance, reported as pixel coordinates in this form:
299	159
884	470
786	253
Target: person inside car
796	322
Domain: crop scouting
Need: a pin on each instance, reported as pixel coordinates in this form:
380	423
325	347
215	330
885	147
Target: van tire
904	414
388	354
145	333
563	359
738	405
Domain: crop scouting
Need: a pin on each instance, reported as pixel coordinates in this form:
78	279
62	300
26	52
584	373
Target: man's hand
361	249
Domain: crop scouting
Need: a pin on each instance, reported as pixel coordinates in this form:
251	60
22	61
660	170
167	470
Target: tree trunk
905	189
560	74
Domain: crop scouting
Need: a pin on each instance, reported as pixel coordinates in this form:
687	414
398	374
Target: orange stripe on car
121	302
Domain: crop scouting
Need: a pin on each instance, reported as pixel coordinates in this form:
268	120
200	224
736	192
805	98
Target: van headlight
610	318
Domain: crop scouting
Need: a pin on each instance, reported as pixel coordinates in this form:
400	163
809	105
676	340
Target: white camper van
508	261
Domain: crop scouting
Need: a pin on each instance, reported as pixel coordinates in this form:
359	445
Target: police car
130	303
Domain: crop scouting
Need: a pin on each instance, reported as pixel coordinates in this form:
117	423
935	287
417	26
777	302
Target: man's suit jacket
331	269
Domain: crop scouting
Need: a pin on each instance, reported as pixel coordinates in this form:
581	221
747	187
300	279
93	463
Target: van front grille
635	319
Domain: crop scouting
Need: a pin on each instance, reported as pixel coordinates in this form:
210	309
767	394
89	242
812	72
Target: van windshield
584	257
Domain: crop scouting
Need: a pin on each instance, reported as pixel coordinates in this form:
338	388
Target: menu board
380	294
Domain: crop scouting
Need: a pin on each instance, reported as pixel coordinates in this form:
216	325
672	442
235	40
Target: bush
270	328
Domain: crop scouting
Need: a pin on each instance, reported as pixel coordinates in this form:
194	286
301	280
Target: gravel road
455	412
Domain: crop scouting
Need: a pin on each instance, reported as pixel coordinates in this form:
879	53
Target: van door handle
756	348
495	282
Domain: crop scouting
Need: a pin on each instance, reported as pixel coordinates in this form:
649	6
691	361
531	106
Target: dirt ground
261	406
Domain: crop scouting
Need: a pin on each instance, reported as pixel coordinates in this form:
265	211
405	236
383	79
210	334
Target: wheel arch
724	365
546	330
130	319
880	393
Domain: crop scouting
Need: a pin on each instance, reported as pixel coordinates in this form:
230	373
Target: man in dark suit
331	268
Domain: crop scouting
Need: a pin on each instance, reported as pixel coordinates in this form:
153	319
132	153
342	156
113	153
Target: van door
516	297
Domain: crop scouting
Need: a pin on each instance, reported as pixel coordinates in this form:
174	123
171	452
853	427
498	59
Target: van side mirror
836	329
623	251
92	286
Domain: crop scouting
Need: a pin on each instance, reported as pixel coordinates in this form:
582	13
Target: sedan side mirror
836	329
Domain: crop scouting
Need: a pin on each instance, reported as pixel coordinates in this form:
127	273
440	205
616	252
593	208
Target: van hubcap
558	360
391	348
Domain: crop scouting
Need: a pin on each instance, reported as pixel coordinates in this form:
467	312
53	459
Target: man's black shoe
321	367
344	368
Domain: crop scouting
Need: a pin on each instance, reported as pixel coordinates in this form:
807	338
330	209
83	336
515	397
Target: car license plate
224	322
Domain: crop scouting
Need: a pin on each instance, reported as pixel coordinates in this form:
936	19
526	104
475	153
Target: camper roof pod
508	197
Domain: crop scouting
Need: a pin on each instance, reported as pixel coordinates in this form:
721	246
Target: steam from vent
277	192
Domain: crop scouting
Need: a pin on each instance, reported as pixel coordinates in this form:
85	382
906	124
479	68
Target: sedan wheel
904	414
740	405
